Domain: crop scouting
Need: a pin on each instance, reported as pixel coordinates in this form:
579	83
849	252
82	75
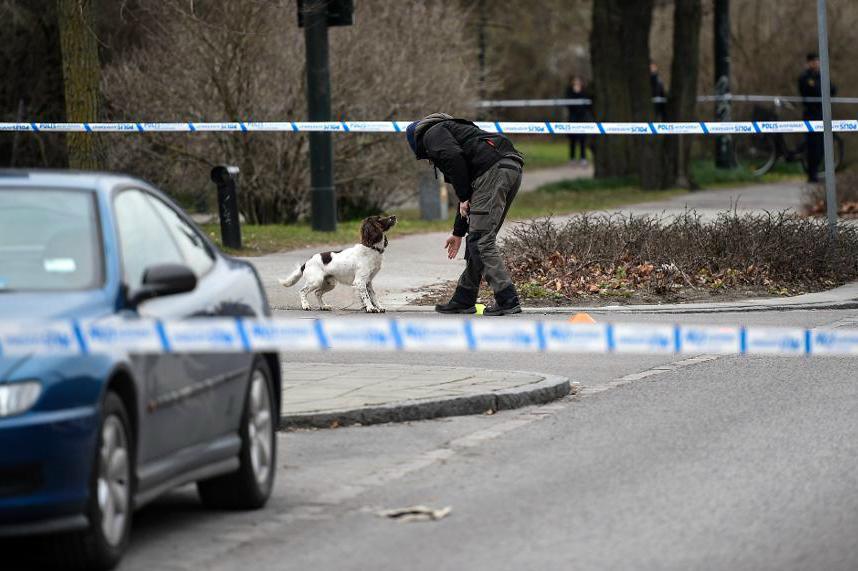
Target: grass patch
265	239
644	259
706	175
545	152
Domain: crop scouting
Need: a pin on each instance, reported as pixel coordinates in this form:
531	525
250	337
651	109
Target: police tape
506	127
147	336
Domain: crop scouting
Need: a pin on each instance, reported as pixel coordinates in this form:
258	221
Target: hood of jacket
424	125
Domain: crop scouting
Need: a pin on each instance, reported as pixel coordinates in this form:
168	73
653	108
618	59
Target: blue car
86	440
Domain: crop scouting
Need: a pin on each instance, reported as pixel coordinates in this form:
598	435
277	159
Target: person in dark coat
658	91
579	113
810	88
485	171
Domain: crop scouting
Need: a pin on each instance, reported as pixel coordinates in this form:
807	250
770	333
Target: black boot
506	303
463	301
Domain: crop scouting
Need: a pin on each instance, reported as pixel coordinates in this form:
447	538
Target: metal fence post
226	179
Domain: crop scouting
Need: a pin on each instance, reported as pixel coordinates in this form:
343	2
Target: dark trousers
494	192
815	153
575	142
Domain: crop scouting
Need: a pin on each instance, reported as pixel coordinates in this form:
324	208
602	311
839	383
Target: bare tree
619	44
81	76
244	60
682	101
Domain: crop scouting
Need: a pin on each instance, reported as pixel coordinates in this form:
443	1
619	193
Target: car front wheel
110	506
250	486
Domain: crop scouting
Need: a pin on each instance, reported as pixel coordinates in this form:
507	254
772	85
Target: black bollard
226	179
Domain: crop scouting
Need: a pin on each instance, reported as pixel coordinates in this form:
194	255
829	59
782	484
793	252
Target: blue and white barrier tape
70	338
507	127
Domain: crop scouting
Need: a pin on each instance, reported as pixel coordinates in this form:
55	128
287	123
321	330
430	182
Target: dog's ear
371	232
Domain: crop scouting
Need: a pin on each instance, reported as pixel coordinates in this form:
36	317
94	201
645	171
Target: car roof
98	181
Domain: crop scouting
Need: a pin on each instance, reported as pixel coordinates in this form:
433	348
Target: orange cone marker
581	318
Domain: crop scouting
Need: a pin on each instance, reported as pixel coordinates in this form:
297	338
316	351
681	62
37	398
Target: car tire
110	506
250	486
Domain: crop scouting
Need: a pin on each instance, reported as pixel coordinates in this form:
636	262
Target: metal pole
226	179
323	200
724	156
830	183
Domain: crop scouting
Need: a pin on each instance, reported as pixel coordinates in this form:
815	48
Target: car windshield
48	240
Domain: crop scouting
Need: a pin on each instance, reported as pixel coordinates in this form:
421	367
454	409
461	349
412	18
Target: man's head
813	62
653	67
416	129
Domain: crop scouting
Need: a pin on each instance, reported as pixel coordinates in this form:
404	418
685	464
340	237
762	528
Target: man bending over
485	171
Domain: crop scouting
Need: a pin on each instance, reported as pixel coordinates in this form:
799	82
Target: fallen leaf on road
416	513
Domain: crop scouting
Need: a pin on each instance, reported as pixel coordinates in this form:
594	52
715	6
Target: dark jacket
657	88
462	152
810	86
579	113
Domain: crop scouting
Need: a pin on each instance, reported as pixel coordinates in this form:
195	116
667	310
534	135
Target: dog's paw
305	307
326	308
374	310
380	309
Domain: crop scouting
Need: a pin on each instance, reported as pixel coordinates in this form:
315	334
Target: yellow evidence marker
581	318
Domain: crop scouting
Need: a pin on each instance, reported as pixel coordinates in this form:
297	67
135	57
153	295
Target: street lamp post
828	136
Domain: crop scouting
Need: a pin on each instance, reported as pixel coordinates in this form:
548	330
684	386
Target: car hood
36	306
22	306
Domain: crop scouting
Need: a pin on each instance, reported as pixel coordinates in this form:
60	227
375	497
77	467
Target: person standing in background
810	88
658	92
579	113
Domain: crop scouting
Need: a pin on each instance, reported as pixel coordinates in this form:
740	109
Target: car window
191	244
49	240
144	238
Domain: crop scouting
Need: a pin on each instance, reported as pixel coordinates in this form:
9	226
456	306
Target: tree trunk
682	102
619	45
81	75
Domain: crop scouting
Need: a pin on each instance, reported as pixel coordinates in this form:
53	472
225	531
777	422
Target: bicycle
760	152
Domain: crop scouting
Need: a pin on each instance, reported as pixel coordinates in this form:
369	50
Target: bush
623	256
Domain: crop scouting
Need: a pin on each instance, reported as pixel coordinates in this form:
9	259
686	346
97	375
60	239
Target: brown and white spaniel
355	266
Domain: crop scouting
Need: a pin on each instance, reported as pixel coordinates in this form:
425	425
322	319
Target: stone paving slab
324	395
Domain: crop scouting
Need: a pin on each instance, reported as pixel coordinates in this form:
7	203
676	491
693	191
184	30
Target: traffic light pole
323	201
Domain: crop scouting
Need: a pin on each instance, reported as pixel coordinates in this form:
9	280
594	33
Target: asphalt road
713	463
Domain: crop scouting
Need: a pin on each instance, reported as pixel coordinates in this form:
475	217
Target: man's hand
452	246
465	208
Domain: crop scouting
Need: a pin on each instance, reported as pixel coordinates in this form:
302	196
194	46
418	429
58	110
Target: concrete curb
550	388
843	297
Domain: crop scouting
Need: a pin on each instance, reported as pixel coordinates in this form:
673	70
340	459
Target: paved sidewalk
326	395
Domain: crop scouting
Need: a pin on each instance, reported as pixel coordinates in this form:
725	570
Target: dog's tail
293	277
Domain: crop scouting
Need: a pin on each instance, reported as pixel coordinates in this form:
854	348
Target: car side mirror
161	280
